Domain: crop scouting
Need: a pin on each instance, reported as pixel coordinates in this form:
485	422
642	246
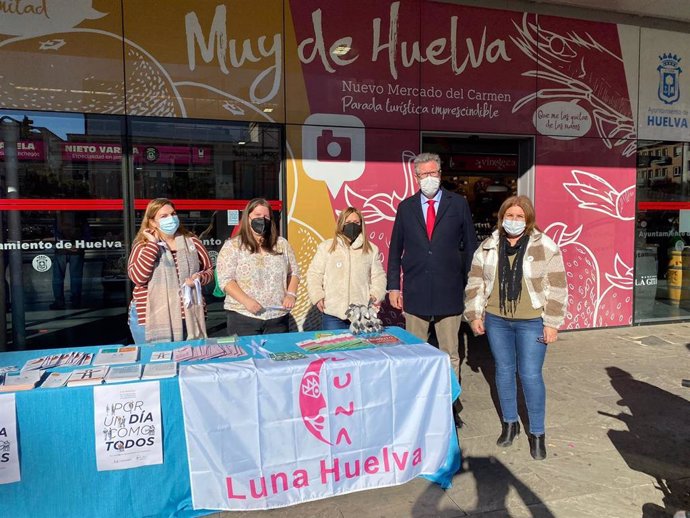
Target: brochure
15	381
71	359
338	342
92	376
161	356
384	339
56	380
208	352
123	373
159	370
117	355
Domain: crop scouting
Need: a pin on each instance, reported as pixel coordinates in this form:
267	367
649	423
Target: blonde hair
527	207
339	234
150	214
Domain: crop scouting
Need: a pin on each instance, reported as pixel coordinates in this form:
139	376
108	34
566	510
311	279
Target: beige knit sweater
345	276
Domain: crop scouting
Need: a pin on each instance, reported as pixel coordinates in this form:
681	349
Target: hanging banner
9	447
268	434
128	426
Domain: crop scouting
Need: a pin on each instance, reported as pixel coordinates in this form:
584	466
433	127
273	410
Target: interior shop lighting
341	50
36	89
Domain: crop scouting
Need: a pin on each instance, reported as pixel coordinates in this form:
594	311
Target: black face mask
261	226
352	231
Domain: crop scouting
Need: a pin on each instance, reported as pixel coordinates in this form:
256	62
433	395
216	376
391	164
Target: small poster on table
128	426
9	449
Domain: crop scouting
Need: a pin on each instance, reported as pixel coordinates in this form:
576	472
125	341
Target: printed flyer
128	426
9	448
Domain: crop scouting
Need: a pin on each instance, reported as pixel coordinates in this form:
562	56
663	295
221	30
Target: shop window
66	227
662	267
210	169
62	232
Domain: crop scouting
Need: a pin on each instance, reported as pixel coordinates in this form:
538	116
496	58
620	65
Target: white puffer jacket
345	276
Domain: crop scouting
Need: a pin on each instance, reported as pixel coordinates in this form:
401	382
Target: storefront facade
321	105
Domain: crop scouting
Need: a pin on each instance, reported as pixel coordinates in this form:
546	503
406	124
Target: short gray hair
423	158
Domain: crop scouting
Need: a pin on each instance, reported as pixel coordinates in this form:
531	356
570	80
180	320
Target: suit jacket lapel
442	205
419	214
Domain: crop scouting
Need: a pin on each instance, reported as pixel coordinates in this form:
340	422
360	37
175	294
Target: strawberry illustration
613	307
594	193
582	273
382	206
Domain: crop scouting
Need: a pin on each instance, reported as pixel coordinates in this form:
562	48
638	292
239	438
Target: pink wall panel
483	82
582	89
372	81
585	201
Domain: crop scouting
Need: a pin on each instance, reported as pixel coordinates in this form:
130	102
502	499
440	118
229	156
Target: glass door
662	233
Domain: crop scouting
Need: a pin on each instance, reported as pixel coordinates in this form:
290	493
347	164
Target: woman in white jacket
345	270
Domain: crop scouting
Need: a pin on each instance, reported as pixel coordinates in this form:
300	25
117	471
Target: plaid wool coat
543	272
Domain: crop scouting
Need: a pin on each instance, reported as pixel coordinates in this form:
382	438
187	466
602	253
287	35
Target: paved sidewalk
617	429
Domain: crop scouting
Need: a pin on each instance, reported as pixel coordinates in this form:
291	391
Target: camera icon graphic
330	147
333	149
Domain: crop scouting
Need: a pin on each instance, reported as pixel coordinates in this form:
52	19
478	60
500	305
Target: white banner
128	425
9	448
264	434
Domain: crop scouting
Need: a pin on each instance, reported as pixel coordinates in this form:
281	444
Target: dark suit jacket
435	272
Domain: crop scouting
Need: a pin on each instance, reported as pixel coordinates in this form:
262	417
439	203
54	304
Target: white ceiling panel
678	10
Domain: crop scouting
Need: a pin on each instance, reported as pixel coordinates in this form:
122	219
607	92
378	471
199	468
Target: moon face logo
312	402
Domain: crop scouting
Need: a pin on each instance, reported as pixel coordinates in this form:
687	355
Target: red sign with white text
489	163
26	150
95	152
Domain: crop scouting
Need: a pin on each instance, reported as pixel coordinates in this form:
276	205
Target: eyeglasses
541	340
435	174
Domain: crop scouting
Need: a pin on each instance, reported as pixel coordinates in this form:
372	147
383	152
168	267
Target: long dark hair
246	235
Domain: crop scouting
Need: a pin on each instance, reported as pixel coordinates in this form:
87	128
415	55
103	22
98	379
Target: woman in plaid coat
516	294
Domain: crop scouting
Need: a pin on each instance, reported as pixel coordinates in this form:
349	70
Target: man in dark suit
433	242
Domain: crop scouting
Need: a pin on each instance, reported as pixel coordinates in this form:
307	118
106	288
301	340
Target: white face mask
513	227
430	185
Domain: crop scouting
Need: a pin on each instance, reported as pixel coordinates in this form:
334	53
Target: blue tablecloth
58	459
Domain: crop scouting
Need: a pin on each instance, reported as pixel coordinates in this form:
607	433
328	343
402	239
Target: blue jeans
138	331
330	323
515	348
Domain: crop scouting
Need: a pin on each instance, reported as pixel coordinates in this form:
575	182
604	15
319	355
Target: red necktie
430	218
